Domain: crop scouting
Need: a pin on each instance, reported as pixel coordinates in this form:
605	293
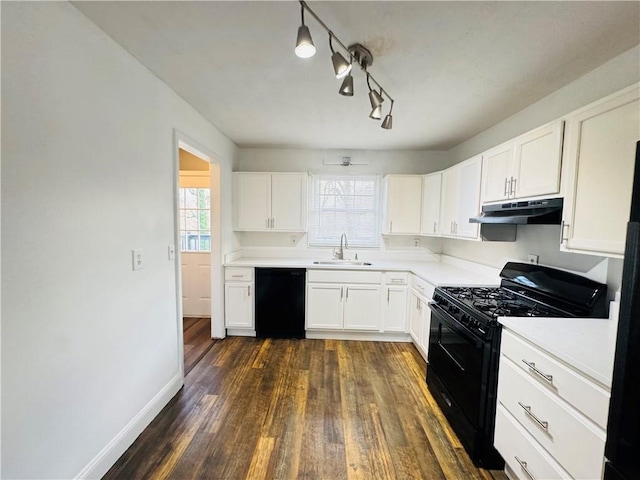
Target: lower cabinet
420	314
551	419
343	307
239	290
395	309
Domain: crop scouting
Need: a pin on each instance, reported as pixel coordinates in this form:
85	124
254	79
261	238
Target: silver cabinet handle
248	290
506	182
532	368
268	222
388	294
341	293
527	409
237	276
455	228
435	227
562	237
347	296
523	466
390	226
451	228
512	187
399	281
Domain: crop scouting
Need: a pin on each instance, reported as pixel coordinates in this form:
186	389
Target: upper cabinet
431	190
527	166
402	202
274	202
598	173
461	199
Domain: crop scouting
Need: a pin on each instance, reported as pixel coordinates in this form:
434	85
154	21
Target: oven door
457	357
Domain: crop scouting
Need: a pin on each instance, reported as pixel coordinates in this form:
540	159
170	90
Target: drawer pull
532	367
237	276
397	280
523	466
527	410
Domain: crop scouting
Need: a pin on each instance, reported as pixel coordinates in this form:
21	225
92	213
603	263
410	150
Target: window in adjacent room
195	219
344	204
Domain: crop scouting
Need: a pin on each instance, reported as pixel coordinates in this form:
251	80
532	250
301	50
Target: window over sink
344	204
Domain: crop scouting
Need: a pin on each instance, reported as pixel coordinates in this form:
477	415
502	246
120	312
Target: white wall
87	175
614	75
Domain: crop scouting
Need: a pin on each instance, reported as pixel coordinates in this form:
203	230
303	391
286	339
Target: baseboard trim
361	336
108	456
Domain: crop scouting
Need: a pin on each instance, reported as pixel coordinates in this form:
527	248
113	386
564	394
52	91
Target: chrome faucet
340	254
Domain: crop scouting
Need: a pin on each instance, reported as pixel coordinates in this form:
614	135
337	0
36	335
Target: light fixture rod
345	48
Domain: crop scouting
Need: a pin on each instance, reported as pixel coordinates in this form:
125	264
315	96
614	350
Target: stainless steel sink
341	262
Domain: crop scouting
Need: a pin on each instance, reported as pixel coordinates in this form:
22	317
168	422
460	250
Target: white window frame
332	242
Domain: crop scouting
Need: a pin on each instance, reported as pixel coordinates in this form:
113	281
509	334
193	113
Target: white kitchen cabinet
239	291
395	294
461	199
544	405
598	172
420	295
273	202
431	191
402	204
344	300
527	166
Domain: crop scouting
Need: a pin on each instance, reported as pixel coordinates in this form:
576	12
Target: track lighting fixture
387	123
346	88
340	64
304	44
342	68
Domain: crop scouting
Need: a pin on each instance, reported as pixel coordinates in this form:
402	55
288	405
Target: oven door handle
450	355
454	324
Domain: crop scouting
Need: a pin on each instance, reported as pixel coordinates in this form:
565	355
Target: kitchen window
344	204
195	219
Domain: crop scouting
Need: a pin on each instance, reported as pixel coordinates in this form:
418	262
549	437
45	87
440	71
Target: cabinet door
415	318
395	309
449	201
537	163
403	201
469	198
238	305
289	202
362	307
252	195
431	190
497	166
601	143
324	306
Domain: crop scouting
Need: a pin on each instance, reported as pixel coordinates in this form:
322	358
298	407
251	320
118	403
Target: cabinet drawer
587	397
396	278
521	451
238	274
576	443
344	276
421	286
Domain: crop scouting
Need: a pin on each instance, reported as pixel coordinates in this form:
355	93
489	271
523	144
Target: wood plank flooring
306	409
197	340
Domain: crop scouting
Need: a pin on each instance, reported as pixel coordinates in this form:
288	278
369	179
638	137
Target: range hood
533	212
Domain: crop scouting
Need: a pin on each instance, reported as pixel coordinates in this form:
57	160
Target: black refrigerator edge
622	449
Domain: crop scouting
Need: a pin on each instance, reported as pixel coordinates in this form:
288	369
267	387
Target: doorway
198	248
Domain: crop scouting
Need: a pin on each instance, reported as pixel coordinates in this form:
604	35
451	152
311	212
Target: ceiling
453	68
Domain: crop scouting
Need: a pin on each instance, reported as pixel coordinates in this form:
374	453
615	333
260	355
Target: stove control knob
465	319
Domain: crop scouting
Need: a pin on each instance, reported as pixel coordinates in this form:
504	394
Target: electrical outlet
533	258
416	242
293	240
172	252
138	259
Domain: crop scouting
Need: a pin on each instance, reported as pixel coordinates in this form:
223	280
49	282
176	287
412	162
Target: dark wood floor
197	340
307	409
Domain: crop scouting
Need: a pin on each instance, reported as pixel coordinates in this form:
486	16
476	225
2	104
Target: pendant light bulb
304	44
346	88
340	65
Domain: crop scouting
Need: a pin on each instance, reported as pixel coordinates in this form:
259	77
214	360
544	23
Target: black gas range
464	342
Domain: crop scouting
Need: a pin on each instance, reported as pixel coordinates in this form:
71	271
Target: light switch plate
172	252
138	259
533	259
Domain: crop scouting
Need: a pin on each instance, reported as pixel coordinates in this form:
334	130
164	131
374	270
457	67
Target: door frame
184	142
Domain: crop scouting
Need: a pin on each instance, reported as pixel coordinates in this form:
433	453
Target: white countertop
437	273
587	344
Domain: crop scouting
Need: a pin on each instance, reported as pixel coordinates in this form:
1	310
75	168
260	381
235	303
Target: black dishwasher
280	301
